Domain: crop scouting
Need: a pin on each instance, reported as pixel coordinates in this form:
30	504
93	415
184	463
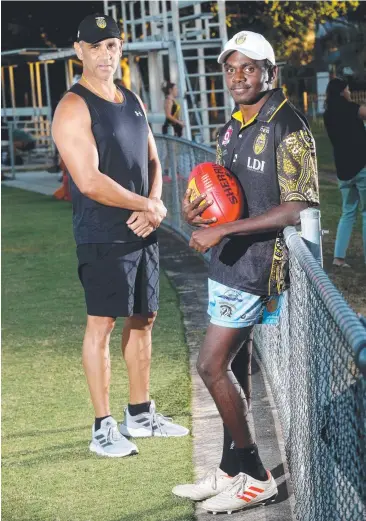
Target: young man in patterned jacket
268	145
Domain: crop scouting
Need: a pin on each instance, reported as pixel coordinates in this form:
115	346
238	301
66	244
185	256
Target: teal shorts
235	308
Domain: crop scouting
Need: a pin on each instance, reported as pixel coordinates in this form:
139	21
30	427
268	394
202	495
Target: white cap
253	45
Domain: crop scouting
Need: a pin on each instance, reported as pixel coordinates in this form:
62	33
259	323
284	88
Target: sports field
48	472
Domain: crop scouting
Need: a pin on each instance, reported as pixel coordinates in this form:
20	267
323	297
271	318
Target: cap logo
240	39
101	22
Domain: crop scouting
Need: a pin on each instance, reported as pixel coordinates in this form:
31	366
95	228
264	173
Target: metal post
228	101
3	95
33	92
49	105
33	89
165	20
39	95
68	82
124	20
12	89
11	149
143	16
182	89
311	232
134	74
105	7
154	85
176	220
202	80
70	66
180	79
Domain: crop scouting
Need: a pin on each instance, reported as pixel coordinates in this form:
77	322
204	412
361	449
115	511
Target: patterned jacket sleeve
297	168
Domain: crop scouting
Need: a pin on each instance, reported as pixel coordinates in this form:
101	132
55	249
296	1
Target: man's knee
141	322
208	370
101	327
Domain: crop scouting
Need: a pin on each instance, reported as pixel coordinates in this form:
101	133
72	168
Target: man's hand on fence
192	210
203	240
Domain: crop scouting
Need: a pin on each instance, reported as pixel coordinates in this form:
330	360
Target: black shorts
120	279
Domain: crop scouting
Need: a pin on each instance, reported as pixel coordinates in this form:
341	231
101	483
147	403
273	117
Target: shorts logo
138	113
227	136
260	143
232	295
226	311
240	39
101	22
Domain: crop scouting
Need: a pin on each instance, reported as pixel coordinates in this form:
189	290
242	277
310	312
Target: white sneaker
107	441
244	492
212	483
150	424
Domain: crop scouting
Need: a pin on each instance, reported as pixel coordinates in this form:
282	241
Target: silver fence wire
315	361
178	157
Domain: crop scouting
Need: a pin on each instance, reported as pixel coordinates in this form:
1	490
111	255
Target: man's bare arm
155	173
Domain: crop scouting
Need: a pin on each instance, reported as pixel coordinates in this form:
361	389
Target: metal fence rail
315	361
41	156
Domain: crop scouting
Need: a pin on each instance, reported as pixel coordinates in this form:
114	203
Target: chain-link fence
315	361
178	157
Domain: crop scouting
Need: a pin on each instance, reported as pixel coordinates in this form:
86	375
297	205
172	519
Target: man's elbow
87	187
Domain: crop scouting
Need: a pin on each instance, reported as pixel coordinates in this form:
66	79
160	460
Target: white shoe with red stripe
244	492
212	483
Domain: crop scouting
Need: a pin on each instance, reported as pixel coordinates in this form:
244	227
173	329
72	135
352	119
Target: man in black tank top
103	137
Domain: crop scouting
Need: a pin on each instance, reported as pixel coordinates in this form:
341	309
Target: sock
138	408
98	422
229	459
250	462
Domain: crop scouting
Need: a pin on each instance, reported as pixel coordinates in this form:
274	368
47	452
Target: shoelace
211	475
159	420
238	486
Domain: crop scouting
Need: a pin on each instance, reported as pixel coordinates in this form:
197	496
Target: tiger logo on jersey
260	143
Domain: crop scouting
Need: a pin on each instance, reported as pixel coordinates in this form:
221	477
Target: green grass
48	472
324	151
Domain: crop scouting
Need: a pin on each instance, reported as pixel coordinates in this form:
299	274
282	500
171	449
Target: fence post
311	232
11	149
175	188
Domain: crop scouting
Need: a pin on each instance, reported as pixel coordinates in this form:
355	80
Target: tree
291	26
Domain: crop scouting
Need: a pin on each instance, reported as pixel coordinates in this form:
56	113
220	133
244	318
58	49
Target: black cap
97	27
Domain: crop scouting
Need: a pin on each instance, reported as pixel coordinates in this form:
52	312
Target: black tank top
121	135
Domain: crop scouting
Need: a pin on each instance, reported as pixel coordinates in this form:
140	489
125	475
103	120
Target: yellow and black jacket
273	156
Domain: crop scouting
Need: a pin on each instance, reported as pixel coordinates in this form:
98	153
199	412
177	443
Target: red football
222	187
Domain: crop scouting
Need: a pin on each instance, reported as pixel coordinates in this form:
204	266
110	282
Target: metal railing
43	153
315	361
